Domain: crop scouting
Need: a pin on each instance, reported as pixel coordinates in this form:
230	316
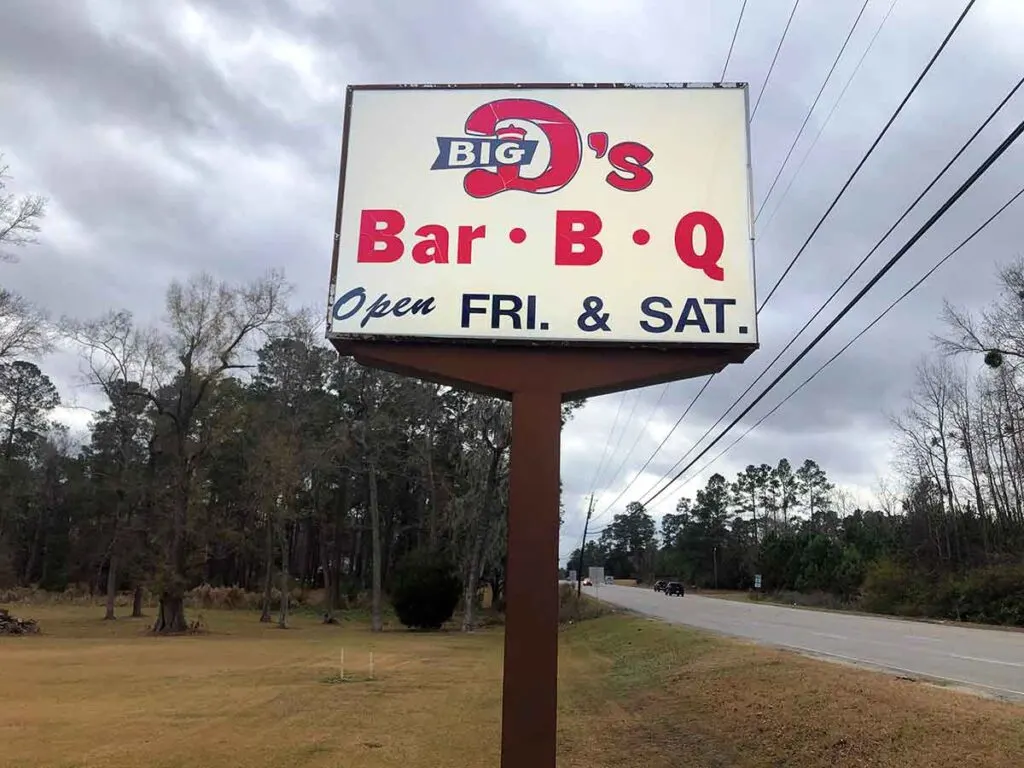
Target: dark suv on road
675	588
659	586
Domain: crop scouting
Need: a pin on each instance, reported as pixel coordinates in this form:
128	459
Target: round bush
426	590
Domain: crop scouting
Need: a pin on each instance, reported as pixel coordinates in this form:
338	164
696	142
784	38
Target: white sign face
596	574
551	214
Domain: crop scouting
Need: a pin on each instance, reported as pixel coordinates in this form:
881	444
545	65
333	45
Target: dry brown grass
633	693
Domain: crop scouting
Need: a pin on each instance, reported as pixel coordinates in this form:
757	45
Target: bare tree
125	362
210	328
19	216
24	328
997	331
487	464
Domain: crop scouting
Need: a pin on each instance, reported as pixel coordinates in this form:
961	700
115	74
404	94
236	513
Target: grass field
633	692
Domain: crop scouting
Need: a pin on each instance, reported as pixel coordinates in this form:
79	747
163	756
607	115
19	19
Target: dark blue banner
465	152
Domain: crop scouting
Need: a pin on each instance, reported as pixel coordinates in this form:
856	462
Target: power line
604	454
735	32
771	67
835	201
977	174
810	111
709	380
871	149
828	118
963	148
661	445
867	328
625	424
643	430
824	216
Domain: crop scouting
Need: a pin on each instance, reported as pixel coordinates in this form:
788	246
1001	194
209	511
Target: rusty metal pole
529	715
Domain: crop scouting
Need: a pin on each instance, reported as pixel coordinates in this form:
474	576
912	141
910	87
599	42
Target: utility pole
583	547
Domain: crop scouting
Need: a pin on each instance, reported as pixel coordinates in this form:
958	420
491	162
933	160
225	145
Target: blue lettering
466	152
648	309
692	306
382	306
720	305
468	308
506	305
690	315
356	293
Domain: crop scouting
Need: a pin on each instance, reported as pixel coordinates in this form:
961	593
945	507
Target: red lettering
467	235
563	137
714	243
380	227
598	142
379	241
630	157
577	228
433	248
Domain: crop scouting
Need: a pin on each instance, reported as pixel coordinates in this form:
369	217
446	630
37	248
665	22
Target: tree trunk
472	586
481	525
376	624
340	516
268	567
37	538
431	493
111	588
171	613
137	602
282	620
171	616
497	583
328	578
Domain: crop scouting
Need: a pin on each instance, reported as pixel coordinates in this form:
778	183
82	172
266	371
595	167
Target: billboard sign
568	214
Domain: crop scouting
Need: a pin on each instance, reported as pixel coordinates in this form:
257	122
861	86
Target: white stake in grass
341	668
371	665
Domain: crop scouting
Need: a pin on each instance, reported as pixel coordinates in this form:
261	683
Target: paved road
990	661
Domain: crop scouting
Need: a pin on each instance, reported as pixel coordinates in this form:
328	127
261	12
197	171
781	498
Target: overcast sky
172	137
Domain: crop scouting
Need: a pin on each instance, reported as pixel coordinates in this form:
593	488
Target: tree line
289	467
235	449
947	542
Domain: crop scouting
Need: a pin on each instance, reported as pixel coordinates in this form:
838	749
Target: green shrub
425	591
891	588
993	595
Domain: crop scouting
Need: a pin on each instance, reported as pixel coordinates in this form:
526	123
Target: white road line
986	661
878	665
893	668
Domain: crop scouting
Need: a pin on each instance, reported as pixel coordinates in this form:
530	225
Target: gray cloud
176	137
